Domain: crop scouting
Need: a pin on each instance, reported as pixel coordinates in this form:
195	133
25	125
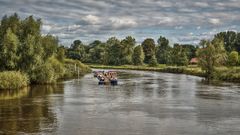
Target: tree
233	58
31	52
50	45
30	26
162	50
8	51
127	49
61	54
113	51
12	22
148	46
153	61
77	51
229	38
138	55
97	54
210	55
178	56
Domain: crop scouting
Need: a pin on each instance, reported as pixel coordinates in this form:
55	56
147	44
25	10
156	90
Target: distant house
194	61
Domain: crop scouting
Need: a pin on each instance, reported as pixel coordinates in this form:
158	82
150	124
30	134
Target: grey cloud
101	18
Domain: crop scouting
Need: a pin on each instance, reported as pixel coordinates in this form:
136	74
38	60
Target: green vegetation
233	58
13	80
23	48
190	70
138	56
211	55
39	58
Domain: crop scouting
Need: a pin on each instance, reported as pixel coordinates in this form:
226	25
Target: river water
144	103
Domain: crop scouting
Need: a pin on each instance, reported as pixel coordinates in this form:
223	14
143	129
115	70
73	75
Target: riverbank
48	73
229	74
190	70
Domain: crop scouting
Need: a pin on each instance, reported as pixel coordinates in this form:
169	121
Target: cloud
92	19
215	21
122	22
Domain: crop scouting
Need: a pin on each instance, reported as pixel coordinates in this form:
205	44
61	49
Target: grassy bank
48	73
190	70
229	74
13	80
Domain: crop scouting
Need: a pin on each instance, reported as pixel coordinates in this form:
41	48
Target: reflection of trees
31	112
13	94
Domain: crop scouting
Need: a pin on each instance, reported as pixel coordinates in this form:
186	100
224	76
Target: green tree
12	22
30	26
233	58
148	46
97	53
127	49
210	55
138	55
113	51
61	54
179	56
77	51
230	38
162	50
50	45
8	51
153	61
31	53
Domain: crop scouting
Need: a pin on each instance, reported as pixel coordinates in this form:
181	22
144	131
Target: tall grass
75	68
13	80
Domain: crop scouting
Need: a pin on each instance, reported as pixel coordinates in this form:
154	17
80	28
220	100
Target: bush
70	67
13	80
153	62
49	72
233	58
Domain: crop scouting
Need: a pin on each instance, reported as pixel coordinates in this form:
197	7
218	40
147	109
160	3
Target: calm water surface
144	103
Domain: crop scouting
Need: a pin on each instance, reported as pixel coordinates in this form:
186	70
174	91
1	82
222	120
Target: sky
181	21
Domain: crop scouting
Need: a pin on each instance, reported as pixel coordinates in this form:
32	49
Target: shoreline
168	69
223	74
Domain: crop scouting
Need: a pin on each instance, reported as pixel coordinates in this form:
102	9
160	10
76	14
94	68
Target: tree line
222	50
121	52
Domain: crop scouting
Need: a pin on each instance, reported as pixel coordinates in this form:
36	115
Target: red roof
194	60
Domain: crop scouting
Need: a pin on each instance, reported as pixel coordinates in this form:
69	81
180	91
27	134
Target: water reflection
143	103
28	110
13	94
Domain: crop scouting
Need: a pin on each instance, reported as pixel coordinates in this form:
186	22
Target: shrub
70	65
233	58
153	62
13	80
49	72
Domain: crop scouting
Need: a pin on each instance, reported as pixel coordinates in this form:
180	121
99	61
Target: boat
105	78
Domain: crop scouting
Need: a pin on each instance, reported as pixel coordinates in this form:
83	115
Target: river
144	103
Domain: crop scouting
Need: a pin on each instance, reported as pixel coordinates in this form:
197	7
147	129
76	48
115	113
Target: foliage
138	55
127	49
24	48
148	46
229	39
8	52
13	80
178	56
49	72
233	58
30	53
163	50
211	54
153	62
44	74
